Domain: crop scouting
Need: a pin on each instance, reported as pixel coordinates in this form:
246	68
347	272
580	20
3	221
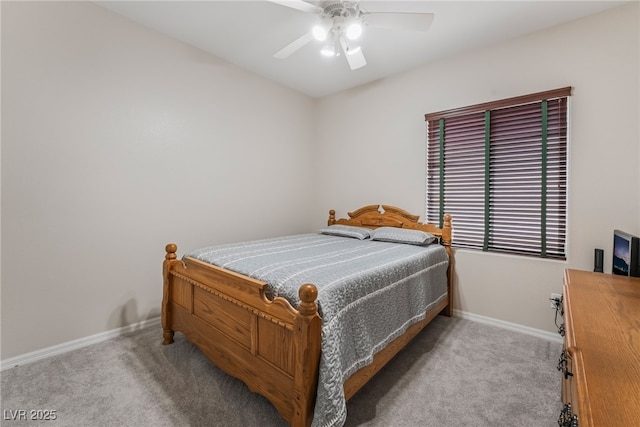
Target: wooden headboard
371	217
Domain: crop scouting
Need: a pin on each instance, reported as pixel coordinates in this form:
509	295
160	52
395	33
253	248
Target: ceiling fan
340	24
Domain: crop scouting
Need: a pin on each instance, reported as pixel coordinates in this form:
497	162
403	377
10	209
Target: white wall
117	140
372	148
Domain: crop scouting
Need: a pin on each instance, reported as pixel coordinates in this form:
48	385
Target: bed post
169	260
332	217
307	328
446	241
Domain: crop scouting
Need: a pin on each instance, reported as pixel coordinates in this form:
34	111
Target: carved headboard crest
374	216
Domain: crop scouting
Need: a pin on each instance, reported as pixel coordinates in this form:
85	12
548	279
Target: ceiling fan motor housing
341	12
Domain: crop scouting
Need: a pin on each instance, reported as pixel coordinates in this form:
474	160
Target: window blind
500	169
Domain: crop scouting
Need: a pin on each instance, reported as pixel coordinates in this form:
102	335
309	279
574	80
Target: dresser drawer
571	407
601	370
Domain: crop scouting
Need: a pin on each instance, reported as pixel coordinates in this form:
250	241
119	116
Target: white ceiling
247	33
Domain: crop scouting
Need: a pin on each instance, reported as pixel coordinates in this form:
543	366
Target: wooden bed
271	346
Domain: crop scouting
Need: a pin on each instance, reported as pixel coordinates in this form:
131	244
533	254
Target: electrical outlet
555	300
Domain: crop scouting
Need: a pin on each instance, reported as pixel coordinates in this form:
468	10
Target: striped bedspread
369	293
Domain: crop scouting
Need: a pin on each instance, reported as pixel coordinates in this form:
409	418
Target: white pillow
402	235
347	231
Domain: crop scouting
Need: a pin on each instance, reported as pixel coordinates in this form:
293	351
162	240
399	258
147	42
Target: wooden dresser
600	362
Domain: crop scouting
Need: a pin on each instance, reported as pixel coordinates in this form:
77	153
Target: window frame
464	127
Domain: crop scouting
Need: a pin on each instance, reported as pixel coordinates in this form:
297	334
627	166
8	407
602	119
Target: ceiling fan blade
399	21
298	5
354	56
293	46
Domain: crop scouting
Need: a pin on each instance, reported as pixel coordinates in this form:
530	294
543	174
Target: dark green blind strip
441	122
543	201
487	179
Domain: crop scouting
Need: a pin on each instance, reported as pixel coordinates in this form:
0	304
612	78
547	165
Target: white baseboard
75	344
550	336
104	336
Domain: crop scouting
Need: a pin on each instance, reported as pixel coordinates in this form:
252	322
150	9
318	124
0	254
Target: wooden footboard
271	346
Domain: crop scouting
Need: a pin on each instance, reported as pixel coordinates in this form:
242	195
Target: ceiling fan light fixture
321	31
352	50
328	50
354	30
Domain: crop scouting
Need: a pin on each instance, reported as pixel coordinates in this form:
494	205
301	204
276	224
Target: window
500	169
